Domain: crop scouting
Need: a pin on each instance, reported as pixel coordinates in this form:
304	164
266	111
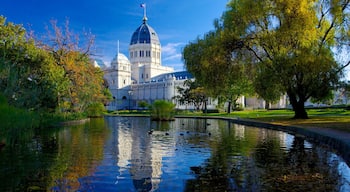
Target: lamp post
130	94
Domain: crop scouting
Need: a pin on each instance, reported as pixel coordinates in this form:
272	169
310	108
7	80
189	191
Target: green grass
18	125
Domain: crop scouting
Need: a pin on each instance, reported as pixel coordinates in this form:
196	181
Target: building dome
99	63
144	34
120	58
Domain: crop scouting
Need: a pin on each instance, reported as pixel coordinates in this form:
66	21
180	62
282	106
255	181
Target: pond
136	154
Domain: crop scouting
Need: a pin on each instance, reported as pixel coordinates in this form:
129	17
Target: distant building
142	77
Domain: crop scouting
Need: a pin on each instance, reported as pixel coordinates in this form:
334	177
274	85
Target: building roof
99	63
144	34
177	75
120	58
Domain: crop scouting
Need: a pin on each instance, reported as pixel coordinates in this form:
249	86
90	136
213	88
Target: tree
28	75
218	68
344	91
294	45
192	93
162	110
142	104
84	82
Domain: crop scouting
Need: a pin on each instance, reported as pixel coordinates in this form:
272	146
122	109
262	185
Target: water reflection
136	154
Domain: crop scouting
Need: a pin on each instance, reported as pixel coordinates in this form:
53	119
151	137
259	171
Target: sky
176	22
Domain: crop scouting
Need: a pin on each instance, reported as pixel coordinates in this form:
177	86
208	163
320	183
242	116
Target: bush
17	125
95	110
162	110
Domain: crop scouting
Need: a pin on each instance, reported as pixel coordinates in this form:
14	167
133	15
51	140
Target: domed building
141	77
146	54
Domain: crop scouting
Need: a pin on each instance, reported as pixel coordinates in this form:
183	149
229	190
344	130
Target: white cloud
172	52
177	56
171	49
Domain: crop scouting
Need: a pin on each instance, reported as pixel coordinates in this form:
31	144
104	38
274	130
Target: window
131	54
142	53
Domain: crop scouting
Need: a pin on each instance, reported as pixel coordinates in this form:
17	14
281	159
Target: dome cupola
144	34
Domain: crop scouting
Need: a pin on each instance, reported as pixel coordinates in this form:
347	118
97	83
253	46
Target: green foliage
17	124
162	110
50	77
28	77
220	71
143	104
292	46
95	109
192	93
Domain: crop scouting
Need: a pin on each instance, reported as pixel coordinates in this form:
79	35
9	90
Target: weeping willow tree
296	47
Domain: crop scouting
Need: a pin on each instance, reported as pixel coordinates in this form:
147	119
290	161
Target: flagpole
143	5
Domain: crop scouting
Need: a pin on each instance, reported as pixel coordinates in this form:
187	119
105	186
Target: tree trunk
298	107
299	111
229	107
267	105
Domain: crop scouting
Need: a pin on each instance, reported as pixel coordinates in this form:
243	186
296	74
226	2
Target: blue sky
176	22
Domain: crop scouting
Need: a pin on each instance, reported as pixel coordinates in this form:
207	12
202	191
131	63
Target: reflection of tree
259	161
216	174
161	125
52	155
80	149
299	169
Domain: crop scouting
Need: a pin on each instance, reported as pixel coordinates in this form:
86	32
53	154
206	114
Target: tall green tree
218	68
28	75
84	82
294	44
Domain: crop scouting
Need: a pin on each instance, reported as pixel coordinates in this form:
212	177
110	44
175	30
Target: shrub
95	110
162	110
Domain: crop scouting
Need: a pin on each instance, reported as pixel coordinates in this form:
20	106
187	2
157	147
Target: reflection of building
140	156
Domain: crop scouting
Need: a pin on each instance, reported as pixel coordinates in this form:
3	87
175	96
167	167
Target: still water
136	154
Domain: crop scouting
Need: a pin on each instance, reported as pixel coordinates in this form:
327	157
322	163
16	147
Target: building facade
141	77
